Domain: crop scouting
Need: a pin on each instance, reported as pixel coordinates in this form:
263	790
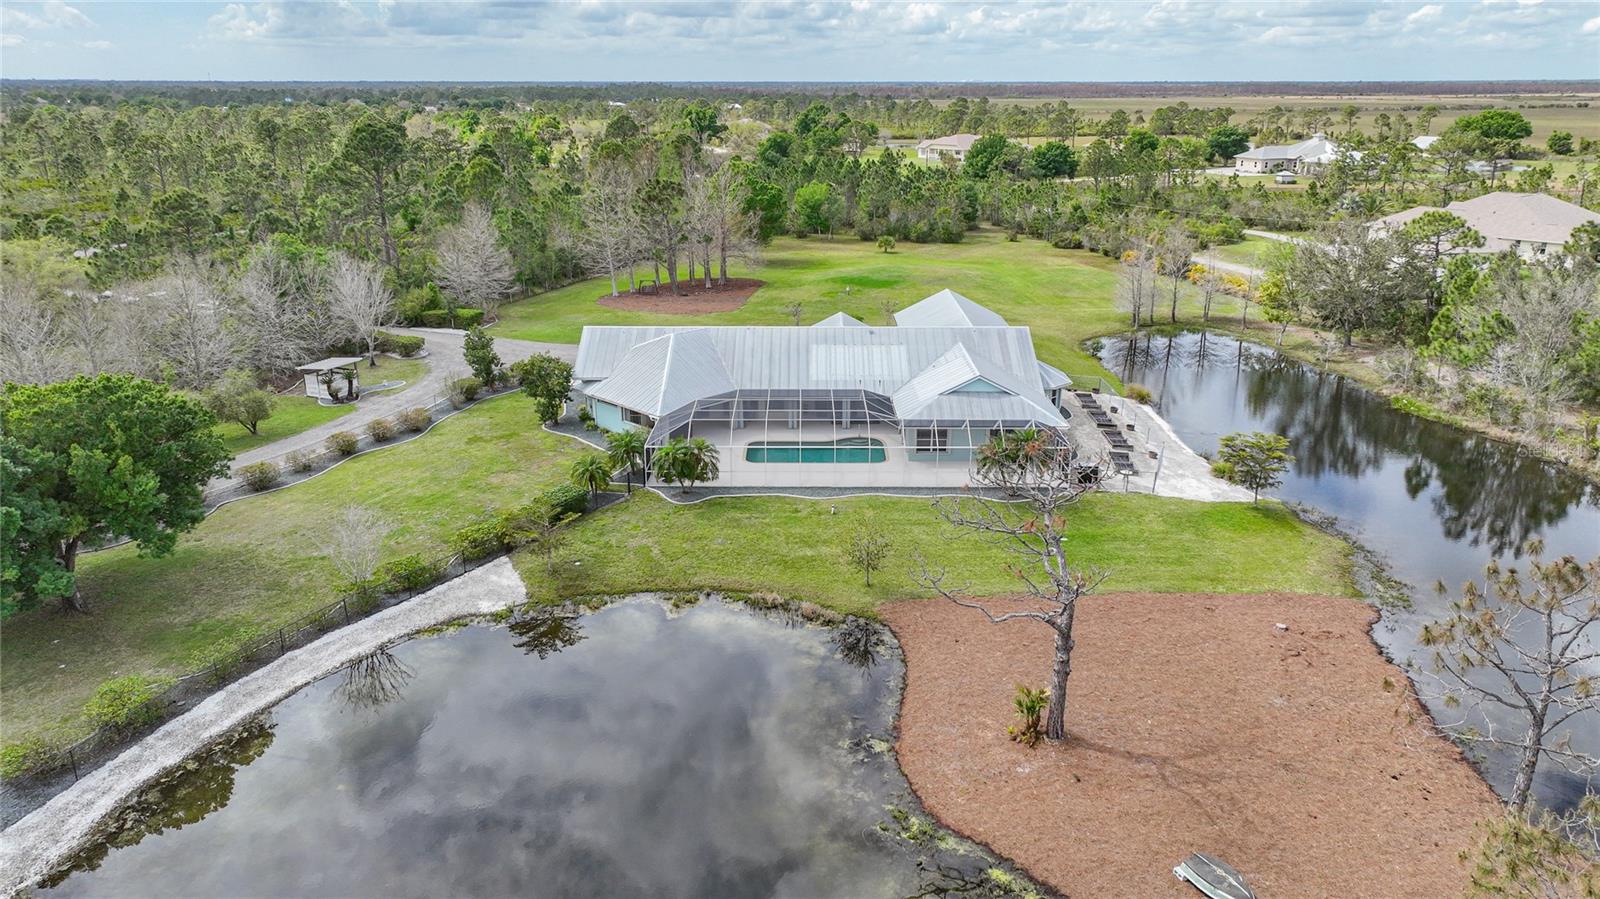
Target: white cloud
97	45
1425	14
1592	26
59	14
10	39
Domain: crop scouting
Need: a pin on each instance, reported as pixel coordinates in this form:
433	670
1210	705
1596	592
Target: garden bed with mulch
1196	724
693	299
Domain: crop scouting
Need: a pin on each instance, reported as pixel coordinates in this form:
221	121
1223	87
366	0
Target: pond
641	749
1437	503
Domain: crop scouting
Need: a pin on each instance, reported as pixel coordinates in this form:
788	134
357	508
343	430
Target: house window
931	440
638	418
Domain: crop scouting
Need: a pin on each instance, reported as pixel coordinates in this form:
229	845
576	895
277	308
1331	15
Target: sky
801	40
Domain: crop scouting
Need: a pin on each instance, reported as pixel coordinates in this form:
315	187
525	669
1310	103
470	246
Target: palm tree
669	462
701	463
627	451
592	472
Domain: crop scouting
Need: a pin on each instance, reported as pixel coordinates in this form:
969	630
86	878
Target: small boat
1214	877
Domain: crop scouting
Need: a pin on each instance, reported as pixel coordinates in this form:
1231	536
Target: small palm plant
592	472
627	451
703	462
1030	704
668	463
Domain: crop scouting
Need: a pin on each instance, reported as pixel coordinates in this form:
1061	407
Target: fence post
345	605
72	759
281	649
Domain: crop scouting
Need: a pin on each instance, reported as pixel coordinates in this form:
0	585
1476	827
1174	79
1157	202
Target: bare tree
1176	253
1542	304
282	313
1210	280
355	544
1522	646
610	238
30	337
360	300
185	314
1136	281
732	225
1040	476
472	263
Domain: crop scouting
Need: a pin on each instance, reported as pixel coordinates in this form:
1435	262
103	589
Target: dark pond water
636	750
1436	502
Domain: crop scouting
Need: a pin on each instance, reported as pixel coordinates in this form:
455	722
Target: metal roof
934	393
840	320
947	309
330	363
663	373
1053	377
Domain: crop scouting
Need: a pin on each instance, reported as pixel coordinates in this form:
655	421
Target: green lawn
290	416
257	563
293	414
1251	251
1065	296
794	548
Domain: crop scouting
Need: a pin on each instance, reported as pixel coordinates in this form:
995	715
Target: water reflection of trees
858	641
375	679
1489	494
200	785
544	632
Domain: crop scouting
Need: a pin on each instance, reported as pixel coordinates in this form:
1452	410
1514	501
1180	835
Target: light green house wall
609	417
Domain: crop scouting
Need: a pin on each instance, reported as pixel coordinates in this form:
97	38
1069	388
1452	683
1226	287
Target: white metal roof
665	372
330	363
947	309
840	320
1053	377
934	393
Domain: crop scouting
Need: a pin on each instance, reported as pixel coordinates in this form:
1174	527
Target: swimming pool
849	449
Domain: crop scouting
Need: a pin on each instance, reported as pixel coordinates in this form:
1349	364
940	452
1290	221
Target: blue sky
868	40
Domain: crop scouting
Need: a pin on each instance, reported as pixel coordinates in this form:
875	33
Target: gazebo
324	377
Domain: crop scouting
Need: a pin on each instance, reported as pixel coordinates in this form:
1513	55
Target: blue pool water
849	449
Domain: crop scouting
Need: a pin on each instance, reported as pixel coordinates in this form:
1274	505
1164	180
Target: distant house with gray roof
1308	157
954	146
891	406
1528	224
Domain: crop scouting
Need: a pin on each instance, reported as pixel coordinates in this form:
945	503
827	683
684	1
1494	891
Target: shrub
468	318
380	429
258	476
399	344
566	499
1072	241
440	318
343	442
1139	393
466	388
415	419
482	538
24	757
125	702
1030	705
407	573
300	460
1223	470
417	301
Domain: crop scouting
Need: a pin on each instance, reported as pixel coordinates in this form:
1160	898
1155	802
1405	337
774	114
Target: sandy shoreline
1197	725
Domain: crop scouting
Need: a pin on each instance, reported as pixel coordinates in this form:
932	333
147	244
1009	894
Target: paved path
1223	265
1273	235
445	364
42	840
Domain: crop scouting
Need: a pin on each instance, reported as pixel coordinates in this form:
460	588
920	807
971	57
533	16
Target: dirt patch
695	298
1196	725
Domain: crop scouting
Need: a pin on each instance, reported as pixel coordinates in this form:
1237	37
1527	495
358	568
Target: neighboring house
837	404
955	146
1530	225
1309	157
1424	141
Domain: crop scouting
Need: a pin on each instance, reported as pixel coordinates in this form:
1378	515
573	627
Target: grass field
257	563
795	548
1250	251
1064	296
1546	113
293	414
290	416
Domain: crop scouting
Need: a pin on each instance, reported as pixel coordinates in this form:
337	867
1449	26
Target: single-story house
1424	141
953	145
1308	157
1528	224
838	404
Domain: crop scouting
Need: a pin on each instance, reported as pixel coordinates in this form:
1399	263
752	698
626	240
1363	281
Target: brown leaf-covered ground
693	298
1195	725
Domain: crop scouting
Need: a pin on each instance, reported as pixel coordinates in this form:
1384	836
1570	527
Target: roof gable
947	309
841	320
666	372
